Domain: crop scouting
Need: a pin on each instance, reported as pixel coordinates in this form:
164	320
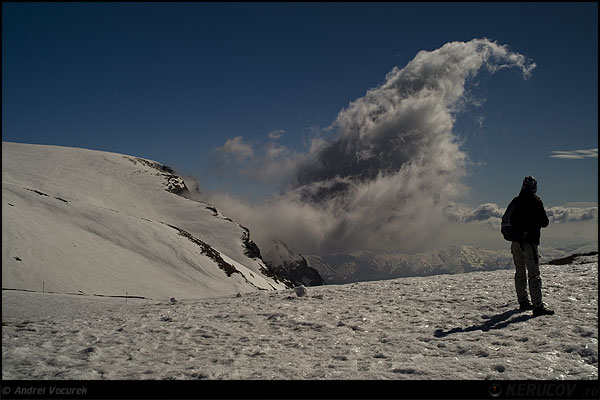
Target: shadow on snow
496	322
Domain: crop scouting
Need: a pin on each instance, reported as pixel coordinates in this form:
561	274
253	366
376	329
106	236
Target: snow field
77	220
463	326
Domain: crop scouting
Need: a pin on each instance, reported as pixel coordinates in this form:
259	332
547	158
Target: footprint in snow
499	367
404	370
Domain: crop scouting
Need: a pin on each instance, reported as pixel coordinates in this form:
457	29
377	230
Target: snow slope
462	326
84	221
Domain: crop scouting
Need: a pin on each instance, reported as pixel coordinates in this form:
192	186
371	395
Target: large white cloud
384	181
276	163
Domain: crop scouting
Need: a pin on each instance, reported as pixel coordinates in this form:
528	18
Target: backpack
509	232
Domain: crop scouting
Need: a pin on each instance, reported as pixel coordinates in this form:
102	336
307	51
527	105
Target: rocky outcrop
294	267
300	273
174	183
571	259
209	252
250	248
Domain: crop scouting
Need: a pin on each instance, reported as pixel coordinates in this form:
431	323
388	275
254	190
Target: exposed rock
571	258
174	183
251	249
301	291
293	266
213	209
209	252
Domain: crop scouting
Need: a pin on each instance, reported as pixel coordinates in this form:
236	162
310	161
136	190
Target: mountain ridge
365	265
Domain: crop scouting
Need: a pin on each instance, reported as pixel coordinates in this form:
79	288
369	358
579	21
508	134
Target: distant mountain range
369	266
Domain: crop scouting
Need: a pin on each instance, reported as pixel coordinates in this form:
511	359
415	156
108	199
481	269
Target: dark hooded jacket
530	216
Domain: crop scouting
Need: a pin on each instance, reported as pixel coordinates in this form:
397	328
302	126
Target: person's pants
527	261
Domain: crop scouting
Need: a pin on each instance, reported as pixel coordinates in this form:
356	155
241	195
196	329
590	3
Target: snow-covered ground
463	326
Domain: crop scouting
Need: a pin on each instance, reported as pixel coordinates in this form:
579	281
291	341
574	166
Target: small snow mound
301	291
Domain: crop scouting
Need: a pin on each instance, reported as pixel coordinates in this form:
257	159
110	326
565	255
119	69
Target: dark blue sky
173	81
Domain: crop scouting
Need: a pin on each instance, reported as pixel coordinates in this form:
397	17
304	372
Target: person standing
528	217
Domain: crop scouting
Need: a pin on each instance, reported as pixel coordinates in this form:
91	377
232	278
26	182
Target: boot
537	311
525	305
